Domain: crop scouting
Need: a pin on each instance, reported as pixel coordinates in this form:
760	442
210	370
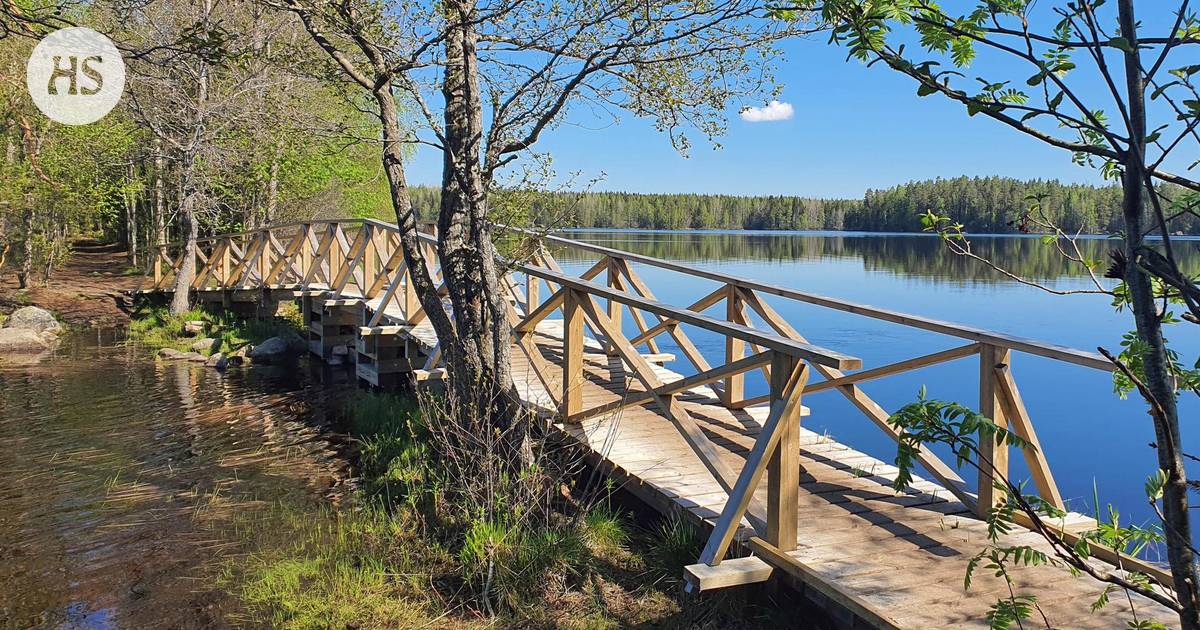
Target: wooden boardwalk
786	500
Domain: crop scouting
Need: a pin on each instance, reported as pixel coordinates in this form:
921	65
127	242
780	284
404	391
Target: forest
994	205
246	134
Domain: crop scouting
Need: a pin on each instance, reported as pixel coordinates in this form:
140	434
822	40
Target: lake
1097	444
125	483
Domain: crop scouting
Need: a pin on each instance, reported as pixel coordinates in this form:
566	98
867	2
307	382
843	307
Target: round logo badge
75	76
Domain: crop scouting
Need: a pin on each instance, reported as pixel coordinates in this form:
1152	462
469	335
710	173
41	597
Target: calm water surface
1089	435
122	481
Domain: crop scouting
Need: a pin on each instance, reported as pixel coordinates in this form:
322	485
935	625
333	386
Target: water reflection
119	478
902	254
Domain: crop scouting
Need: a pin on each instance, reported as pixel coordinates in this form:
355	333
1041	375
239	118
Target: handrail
1023	344
808	352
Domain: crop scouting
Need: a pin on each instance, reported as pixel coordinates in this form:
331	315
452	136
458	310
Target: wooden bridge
586	353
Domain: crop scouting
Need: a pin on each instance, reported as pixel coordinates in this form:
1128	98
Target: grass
155	328
401	555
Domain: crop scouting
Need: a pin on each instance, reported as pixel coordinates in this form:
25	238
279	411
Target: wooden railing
361	259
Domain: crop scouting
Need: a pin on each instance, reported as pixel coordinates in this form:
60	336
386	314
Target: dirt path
86	291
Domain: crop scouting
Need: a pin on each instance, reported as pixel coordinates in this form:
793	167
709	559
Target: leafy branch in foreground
955	427
1117	90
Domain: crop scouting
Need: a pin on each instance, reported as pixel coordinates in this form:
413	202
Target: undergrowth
155	328
418	549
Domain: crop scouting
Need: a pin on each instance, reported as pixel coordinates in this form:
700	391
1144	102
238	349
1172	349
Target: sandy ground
86	291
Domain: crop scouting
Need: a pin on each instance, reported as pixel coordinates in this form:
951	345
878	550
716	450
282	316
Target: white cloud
771	112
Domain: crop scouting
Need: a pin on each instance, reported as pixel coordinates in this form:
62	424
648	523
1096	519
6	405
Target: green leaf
1185	72
1154	485
925	90
1121	43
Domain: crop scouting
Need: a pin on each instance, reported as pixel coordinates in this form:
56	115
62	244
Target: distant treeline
983	204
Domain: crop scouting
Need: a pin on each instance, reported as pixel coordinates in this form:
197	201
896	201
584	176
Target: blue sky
854	128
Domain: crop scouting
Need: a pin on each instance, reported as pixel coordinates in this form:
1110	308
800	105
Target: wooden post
264	259
572	382
305	252
615	308
370	262
226	263
158	273
1018	417
336	255
532	288
991	406
783	468
734	350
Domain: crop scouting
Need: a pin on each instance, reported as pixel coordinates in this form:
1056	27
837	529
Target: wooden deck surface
894	560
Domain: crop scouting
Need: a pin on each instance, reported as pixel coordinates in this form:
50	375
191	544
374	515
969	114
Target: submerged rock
34	319
271	350
171	354
23	341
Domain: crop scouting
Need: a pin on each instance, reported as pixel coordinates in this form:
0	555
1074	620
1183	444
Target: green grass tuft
604	529
673	545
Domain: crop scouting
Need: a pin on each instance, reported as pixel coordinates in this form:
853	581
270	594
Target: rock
171	354
235	360
335	360
217	361
271	350
35	319
193	327
340	351
23	341
205	344
295	341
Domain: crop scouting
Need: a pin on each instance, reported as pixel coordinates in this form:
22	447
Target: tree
56	179
1111	131
528	64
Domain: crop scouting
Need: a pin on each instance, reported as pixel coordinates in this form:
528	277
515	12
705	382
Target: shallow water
122	479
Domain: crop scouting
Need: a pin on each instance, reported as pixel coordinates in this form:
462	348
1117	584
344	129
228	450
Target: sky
852	129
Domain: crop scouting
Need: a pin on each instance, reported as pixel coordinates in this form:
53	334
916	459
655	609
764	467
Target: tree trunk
410	243
181	298
272	187
131	223
188	192
478	366
1158	377
23	275
160	207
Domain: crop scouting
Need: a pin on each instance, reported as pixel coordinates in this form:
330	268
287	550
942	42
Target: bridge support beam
330	324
